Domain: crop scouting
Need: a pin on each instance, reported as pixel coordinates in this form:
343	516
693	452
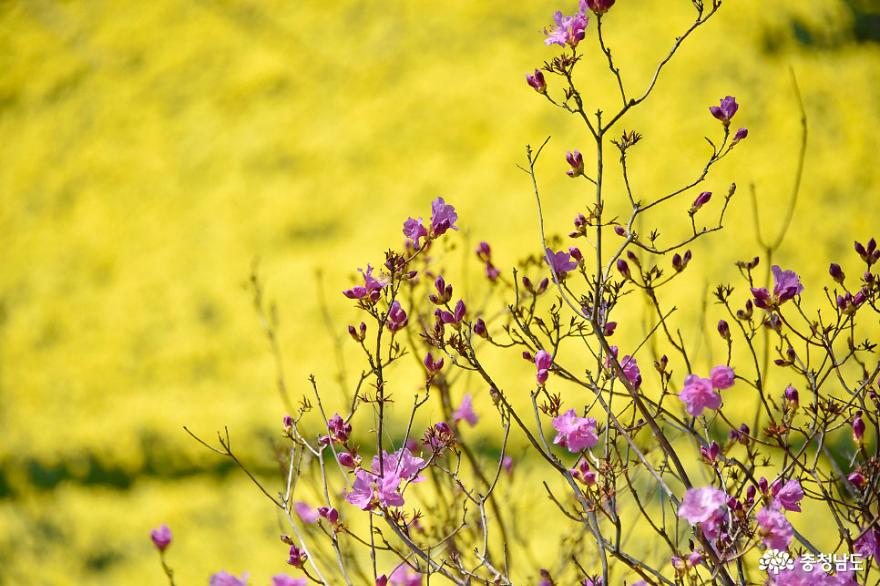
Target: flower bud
858	428
480	328
536	81
836	272
623	268
791	395
857	479
347	459
762	484
599	6
576	162
701	200
620	230
161	537
723	329
741	134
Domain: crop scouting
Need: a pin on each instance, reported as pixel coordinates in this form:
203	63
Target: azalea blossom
306	513
370	290
787	285
414	230
397	317
223	578
628	365
402	462
816	576
285	580
161	537
775	530
465	411
560	263
868	543
443	217
575	433
722	377
788	495
370	490
543	362
700	504
404	576
698	394
726	110
569	30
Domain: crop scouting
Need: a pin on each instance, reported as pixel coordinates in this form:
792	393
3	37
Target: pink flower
788	495
537	82
305	512
774	528
600	6
868	543
787	285
369	490
698	394
569	30
560	263
414	230
284	580
402	463
161	537
543	362
369	290
403	576
223	578
628	365
397	318
575	433
338	428
297	557
443	217
465	411
726	110
722	377
701	504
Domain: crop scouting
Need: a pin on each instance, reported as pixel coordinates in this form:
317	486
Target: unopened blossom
791	395
455	316
868	543
680	262
576	162
724	329
788	495
543	362
439	437
507	464
583	473
698	395
623	268
346	459
711	452
868	253
480	328
836	272
297	557
404	576
339	429
397	317
307	513
369	490
858	428
600	6
414	230
857	479
776	532
700	504
560	263
433	366
701	200
285	580
223	578
161	537
537	82
787	285
575	433
382	580
569	30
330	514
628	365
725	111
465	411
741	134
722	377
370	290
443	217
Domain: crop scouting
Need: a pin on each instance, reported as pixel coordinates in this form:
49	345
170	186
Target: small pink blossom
414	230
787	285
569	30
726	110
543	362
369	290
774	528
868	543
789	495
402	463
161	537
443	217
369	490
284	580
306	513
223	578
560	263
722	377
575	433
700	504
403	576
816	576
698	394
465	411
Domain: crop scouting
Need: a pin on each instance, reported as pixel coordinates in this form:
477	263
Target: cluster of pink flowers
701	393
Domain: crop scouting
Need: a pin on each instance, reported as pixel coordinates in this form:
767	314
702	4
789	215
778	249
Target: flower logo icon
774	561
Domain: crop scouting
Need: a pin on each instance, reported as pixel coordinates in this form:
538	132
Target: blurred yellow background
152	150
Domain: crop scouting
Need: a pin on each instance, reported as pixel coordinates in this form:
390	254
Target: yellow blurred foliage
152	150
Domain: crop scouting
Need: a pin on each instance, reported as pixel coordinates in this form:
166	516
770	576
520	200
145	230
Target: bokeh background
152	150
